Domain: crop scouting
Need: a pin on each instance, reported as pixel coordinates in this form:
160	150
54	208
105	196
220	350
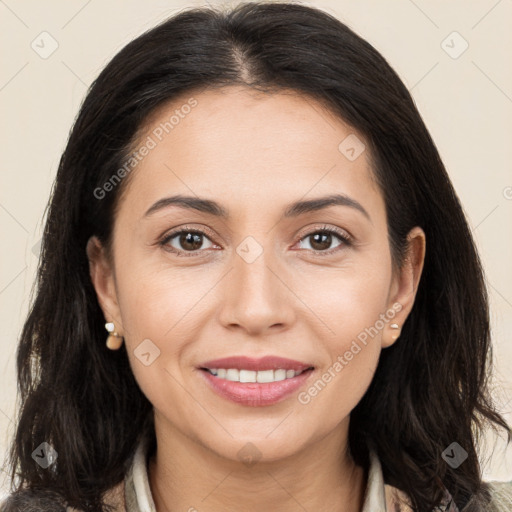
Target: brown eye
185	241
190	241
321	240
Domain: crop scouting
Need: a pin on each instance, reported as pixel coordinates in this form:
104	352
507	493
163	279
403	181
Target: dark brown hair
430	388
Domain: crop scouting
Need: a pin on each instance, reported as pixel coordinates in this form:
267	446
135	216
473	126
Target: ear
102	277
405	285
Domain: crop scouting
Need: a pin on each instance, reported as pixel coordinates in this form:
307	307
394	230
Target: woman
257	289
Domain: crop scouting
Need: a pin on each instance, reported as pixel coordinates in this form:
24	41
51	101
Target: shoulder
29	500
45	500
501	495
499	500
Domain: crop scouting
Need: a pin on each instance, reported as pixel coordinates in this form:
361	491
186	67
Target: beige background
466	103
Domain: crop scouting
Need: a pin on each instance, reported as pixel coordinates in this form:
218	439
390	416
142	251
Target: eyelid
166	237
310	230
345	237
347	240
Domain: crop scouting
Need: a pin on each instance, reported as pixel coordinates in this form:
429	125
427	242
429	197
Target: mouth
255	382
260	376
262	370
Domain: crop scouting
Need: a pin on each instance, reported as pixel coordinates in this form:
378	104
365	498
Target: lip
262	363
255	394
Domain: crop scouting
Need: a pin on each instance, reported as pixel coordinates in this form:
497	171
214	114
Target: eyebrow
292	210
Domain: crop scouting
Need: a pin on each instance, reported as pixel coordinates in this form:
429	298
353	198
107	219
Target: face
312	285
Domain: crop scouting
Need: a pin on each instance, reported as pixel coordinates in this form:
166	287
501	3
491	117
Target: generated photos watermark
344	359
151	142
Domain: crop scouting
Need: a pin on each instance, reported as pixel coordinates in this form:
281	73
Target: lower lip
254	393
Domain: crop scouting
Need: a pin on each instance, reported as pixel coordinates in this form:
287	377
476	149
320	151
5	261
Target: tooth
247	376
265	376
262	376
279	374
232	374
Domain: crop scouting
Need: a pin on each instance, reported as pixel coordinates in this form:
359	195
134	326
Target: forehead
235	143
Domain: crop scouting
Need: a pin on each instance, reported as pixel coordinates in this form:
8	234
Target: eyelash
345	238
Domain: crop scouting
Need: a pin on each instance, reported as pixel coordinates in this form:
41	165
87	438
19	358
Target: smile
255	382
262	376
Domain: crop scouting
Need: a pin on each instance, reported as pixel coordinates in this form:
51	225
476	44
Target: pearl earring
114	340
396	335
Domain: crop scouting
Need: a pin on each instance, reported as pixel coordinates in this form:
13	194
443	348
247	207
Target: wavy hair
430	388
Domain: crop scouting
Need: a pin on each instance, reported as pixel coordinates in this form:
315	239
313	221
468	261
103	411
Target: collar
379	496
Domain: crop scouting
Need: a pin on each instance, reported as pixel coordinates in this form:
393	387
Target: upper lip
262	363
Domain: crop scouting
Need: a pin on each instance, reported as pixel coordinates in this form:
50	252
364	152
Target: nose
255	296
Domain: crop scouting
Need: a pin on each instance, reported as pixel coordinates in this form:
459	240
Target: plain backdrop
455	58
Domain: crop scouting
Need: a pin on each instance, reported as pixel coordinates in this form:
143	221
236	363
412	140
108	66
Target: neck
186	476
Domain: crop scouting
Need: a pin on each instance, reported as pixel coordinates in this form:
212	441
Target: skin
254	154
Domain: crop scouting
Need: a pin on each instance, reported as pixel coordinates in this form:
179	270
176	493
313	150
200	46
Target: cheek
353	346
353	306
348	299
160	308
336	391
153	313
156	302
